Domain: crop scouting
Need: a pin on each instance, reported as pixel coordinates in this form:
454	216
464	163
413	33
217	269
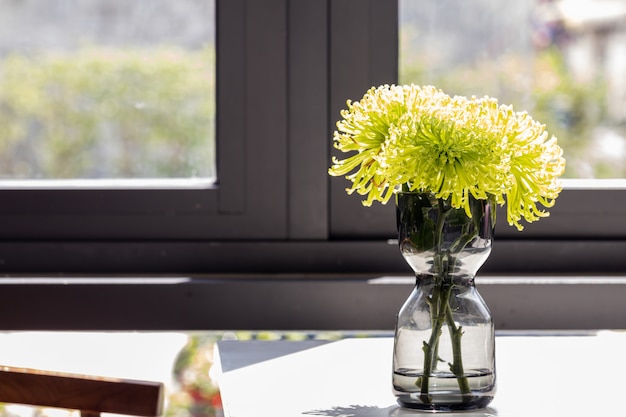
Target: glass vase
444	350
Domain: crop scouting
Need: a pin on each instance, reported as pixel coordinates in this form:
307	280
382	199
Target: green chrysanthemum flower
365	128
421	139
536	162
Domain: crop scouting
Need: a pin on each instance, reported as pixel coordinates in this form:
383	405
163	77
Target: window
107	89
284	70
561	61
586	224
243	203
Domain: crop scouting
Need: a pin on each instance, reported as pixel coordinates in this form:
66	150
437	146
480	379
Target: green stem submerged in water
440	309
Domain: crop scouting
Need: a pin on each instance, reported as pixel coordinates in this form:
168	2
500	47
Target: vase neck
438	239
457	280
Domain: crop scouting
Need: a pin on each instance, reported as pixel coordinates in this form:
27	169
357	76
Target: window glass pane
562	61
107	89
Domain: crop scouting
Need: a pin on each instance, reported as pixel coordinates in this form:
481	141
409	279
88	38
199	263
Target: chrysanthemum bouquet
421	139
452	152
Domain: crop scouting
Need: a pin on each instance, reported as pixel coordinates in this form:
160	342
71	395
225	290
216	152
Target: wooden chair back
91	395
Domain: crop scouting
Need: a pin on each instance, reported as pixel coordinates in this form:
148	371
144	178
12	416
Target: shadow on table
354	411
393	411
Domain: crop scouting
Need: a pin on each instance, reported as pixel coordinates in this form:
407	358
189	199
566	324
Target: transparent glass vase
444	350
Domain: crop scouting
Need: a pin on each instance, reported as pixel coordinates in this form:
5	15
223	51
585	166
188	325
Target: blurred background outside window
562	61
93	89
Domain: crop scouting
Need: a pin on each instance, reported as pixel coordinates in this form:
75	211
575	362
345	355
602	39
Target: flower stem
440	310
456	333
440	304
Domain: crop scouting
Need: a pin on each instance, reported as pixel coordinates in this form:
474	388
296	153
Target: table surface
537	375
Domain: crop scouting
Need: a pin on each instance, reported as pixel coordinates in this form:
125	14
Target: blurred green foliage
542	85
108	113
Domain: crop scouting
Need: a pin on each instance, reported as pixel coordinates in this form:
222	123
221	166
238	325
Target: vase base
445	403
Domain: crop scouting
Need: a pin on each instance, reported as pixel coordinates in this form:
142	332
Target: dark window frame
251	43
285	69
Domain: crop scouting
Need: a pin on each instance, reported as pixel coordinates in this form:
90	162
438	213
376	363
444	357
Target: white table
539	375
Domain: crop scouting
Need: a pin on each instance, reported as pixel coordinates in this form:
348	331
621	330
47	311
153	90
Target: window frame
251	44
285	69
586	229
